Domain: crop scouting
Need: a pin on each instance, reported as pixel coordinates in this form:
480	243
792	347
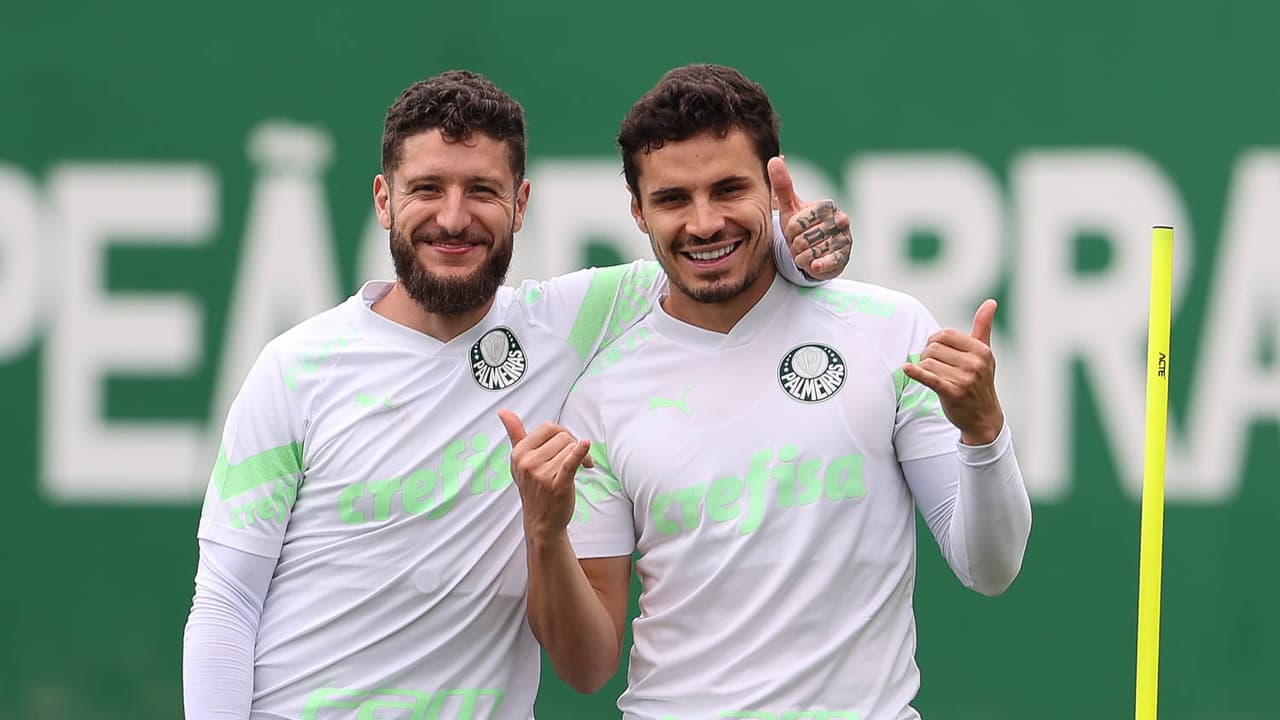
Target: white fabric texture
768	478
364	463
367	462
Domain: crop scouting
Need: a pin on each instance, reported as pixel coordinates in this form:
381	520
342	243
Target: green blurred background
179	181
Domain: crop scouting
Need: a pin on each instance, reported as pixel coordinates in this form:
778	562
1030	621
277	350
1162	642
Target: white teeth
714	254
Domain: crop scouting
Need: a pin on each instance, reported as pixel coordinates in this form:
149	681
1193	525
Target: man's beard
443	294
717	291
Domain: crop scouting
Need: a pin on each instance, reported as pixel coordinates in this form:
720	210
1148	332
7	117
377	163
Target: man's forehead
432	153
703	159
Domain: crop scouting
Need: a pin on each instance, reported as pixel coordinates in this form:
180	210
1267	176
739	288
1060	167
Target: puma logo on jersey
657	403
812	372
497	360
311	362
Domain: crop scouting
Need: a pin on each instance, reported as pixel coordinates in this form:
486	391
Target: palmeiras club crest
497	360
812	372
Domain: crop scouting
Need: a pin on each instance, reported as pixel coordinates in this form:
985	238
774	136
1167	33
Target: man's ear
635	212
522	202
382	200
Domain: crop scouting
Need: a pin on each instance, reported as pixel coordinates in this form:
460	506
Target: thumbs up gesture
543	464
818	232
961	368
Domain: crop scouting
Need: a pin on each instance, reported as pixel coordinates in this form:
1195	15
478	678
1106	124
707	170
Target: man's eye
483	190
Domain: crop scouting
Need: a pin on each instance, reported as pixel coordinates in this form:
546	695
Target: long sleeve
976	505
221	632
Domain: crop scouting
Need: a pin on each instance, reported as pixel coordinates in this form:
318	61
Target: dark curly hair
458	103
691	100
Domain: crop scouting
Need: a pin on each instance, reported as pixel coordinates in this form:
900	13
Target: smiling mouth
452	246
705	256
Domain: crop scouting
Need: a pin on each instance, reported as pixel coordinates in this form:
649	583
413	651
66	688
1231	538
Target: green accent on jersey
844	302
633	300
900	379
615	301
788	715
612	354
425	705
363	400
658	403
594	311
923	402
265	467
311	361
911	395
596	485
599	453
746	500
468	466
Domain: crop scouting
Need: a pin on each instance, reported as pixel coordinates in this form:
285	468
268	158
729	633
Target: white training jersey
370	460
757	473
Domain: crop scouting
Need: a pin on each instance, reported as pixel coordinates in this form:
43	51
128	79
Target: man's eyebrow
665	190
728	180
436	177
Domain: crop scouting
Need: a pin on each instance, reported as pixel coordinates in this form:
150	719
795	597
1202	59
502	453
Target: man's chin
451	285
715	291
451	296
458	292
717	287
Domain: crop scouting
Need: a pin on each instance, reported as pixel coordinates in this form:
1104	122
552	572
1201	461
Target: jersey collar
746	330
371	322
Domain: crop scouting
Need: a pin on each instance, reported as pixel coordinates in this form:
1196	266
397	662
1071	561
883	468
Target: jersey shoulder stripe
259	469
616	298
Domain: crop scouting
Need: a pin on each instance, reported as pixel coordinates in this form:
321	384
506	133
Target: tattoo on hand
825	210
827	239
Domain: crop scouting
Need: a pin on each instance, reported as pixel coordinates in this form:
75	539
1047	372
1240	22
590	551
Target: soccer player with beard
361	549
763	447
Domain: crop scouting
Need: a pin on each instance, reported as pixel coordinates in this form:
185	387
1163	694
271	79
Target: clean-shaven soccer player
361	553
764	448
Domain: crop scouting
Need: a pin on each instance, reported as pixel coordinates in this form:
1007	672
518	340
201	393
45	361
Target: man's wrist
541	539
984	435
979	438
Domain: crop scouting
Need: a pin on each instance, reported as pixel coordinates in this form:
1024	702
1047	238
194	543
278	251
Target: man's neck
718	316
398	307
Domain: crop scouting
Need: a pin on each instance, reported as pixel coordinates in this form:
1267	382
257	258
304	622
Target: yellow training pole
1152	550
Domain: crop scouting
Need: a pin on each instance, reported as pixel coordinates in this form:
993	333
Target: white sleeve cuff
979	455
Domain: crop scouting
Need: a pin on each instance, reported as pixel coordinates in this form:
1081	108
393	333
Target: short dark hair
458	103
692	100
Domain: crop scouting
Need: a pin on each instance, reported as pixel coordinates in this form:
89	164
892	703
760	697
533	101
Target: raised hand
961	368
818	232
543	464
